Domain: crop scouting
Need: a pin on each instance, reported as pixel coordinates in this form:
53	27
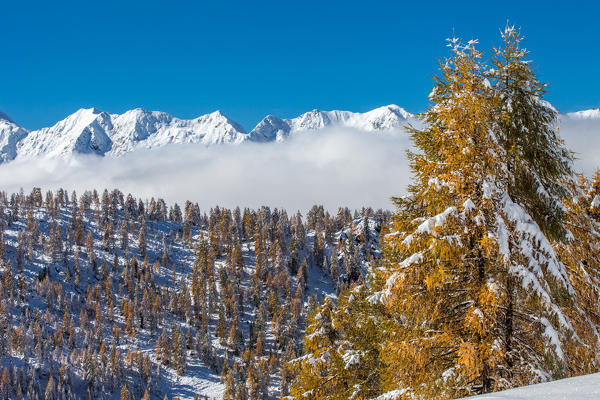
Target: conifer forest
485	276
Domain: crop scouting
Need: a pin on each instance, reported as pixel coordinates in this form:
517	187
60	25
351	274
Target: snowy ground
586	387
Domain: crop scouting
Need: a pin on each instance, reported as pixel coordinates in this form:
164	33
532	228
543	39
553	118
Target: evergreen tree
316	371
347	363
235	339
537	161
50	393
126	393
476	289
2	245
142	239
581	255
594	205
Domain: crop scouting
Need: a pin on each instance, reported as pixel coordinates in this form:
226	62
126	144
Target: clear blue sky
252	58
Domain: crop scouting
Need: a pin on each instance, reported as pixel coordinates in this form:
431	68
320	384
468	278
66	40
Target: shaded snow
10	135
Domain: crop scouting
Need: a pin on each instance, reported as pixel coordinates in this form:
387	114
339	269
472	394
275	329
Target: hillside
102	291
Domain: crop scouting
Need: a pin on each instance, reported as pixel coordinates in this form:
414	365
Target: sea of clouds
333	167
582	136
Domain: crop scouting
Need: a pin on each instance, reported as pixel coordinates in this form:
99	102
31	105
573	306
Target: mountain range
92	131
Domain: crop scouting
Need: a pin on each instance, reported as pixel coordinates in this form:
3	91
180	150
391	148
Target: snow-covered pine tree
537	161
316	377
475	287
581	256
342	344
542	182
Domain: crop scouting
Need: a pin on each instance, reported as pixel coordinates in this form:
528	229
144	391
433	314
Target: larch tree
581	256
474	286
537	160
342	359
541	180
594	191
316	370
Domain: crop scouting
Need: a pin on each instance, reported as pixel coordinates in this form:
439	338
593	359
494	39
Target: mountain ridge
273	128
93	131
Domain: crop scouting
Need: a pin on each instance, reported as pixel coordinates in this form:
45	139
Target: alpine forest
490	272
484	277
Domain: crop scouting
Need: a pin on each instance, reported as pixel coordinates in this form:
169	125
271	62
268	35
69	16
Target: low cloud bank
583	137
333	167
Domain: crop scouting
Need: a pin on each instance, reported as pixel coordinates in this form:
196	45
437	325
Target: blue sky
252	58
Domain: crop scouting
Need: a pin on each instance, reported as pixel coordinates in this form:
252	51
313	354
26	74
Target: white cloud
333	167
583	137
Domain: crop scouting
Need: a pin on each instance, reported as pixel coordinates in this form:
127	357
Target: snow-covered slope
586	387
83	132
150	129
10	135
91	131
384	118
231	280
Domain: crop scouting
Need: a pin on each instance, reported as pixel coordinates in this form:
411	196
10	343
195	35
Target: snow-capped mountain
10	135
151	129
84	132
91	131
593	113
384	118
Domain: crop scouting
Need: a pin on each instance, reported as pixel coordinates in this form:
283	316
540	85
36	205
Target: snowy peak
145	129
4	117
270	129
218	118
383	118
220	129
10	135
150	129
388	117
134	127
84	132
92	131
593	113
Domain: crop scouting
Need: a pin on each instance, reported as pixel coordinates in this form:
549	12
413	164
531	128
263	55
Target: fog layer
333	167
